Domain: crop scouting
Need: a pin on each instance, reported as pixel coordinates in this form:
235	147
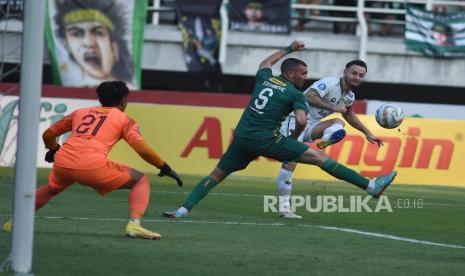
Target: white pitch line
332	228
384	236
430	204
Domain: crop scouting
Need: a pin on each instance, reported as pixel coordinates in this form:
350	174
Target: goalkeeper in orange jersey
83	157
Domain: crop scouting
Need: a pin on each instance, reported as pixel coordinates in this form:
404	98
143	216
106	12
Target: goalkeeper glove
50	155
166	170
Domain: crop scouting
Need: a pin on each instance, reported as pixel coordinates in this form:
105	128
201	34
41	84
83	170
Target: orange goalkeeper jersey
94	131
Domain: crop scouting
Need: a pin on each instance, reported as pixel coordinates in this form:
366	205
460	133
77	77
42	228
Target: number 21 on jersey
88	122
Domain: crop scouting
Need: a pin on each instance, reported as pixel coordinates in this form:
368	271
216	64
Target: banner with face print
272	16
93	41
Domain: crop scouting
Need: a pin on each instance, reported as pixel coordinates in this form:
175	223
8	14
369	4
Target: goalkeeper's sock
344	173
199	192
43	195
139	198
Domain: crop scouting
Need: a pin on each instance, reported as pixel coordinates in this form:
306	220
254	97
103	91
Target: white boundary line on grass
332	228
261	196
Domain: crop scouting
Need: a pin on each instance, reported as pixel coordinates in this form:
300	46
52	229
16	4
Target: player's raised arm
271	60
151	157
355	122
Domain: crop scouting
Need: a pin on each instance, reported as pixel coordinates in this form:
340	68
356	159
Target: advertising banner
93	41
271	16
423	151
51	110
193	138
199	22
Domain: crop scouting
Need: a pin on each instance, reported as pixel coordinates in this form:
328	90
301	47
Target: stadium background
177	109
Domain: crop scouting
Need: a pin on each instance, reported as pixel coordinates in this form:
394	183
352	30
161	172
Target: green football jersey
273	98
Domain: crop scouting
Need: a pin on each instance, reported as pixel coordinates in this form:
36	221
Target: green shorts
243	151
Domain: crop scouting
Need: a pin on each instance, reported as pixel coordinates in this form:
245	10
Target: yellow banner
193	139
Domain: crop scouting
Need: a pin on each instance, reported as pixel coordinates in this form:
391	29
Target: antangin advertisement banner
92	41
272	16
193	139
424	151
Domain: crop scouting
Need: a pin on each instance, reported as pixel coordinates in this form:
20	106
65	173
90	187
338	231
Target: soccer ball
389	116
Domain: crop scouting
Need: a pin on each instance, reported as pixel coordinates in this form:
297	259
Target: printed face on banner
92	41
91	47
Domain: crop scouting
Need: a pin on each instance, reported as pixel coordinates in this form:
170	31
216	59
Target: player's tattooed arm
314	99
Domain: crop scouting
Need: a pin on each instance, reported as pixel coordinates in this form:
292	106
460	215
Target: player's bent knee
135	174
312	157
339	121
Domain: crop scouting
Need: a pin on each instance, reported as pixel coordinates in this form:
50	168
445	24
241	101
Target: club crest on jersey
278	82
322	86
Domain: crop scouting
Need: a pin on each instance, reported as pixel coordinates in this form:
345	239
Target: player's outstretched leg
44	194
373	187
200	191
138	201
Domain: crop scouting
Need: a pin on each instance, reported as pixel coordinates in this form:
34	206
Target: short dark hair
291	64
358	62
110	93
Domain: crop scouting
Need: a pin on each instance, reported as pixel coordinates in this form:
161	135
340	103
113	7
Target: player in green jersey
257	133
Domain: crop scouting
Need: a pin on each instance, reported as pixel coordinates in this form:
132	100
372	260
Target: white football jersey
330	92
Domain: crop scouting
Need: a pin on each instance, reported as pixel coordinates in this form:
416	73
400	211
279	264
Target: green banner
435	34
92	41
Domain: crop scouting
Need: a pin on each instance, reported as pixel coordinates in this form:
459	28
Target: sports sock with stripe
344	173
199	192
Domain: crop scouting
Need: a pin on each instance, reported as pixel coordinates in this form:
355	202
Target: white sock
330	130
183	210
136	220
284	189
370	187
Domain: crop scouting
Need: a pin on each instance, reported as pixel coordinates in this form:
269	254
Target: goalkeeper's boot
179	213
333	138
8	226
135	230
381	183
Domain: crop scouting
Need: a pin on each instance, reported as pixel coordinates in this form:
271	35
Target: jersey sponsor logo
278	82
322	86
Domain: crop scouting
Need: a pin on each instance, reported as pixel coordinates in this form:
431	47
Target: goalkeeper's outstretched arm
151	157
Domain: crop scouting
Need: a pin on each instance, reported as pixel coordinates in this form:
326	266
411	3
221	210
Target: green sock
199	192
342	172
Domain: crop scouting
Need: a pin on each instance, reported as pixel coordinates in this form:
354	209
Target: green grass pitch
228	233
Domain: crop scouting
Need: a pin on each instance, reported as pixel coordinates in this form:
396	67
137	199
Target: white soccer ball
389	116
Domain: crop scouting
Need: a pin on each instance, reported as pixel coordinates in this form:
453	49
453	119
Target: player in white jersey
326	96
